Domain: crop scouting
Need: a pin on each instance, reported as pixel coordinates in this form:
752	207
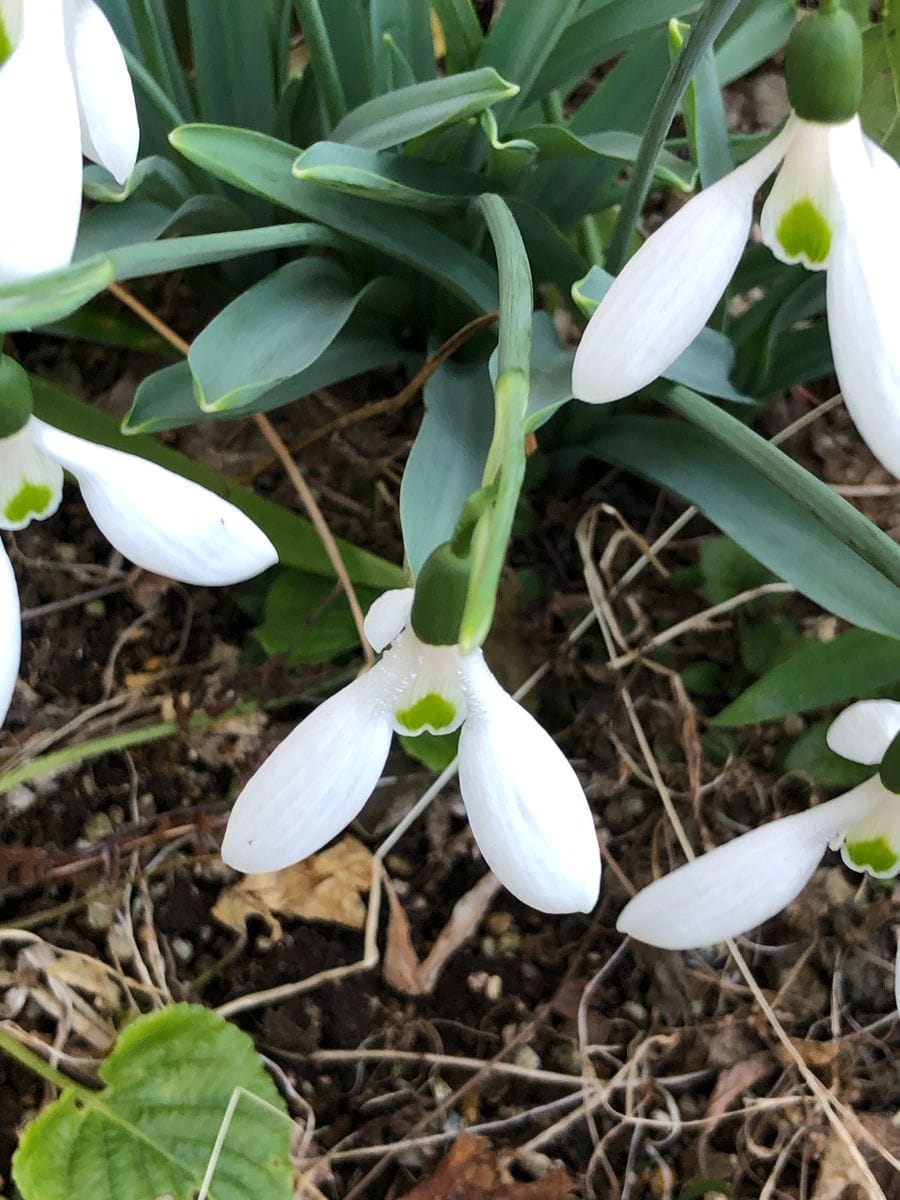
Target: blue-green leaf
277	329
410	112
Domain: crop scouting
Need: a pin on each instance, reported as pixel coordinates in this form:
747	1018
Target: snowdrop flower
833	206
161	521
526	807
736	887
64	90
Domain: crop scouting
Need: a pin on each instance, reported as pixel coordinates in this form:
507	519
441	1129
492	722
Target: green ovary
432	710
874	853
31	500
804	233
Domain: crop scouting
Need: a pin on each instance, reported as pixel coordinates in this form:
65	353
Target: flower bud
823	66
16	400
440	597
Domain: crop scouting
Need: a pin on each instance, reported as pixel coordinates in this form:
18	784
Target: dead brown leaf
324	887
403	969
731	1085
472	1170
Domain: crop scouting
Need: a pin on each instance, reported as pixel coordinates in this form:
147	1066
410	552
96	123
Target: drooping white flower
527	810
161	521
64	91
833	206
737	886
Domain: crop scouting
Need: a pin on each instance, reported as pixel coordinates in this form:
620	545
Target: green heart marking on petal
874	853
804	233
432	710
6	46
31	500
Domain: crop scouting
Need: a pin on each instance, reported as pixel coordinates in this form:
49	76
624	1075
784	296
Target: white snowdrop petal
10	633
665	294
313	784
30	482
861	296
737	886
863	732
106	108
800	216
527	809
387	616
159	520
40	147
12	22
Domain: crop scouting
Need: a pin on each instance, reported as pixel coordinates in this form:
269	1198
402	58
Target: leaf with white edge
166	399
409	112
45	298
249	347
151	1131
619	145
381	175
707	362
262	165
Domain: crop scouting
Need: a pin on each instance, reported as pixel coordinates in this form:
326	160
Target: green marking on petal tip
432	710
804	233
31	500
874	853
6	46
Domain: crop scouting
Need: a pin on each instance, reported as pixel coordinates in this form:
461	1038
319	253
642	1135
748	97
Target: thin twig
389	404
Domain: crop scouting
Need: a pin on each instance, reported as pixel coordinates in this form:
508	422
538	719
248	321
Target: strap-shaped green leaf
410	112
855	665
784	532
152	1130
278	328
263	165
382	175
167	400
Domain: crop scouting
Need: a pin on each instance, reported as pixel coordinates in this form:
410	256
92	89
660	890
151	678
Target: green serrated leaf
151	1131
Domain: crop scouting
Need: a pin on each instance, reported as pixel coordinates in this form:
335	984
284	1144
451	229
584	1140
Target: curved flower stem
505	467
707	28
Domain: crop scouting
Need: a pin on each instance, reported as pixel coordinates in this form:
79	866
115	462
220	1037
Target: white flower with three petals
527	810
159	520
64	91
737	886
833	206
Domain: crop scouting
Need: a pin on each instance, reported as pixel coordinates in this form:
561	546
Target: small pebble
493	989
97	826
528	1057
95	608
